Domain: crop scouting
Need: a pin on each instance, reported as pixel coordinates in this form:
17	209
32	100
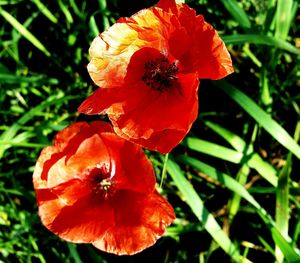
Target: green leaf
234	140
283	20
220	177
73	252
45	11
253	160
285	244
24	32
261	40
13	79
264	119
282	198
65	9
10	133
196	204
237	12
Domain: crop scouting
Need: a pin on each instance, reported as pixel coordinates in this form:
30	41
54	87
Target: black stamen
160	73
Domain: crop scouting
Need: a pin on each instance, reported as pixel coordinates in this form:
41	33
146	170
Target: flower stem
164	171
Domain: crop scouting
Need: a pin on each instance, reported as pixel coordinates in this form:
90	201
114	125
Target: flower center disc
160	73
100	183
105	184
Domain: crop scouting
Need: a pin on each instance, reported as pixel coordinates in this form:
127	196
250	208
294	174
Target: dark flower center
160	73
100	182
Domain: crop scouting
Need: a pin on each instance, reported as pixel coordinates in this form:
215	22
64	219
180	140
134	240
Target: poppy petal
111	51
169	113
100	189
138	223
52	200
84	221
214	60
89	153
132	169
101	101
162	141
208	55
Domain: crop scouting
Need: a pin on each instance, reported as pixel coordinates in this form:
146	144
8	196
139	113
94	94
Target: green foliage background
234	181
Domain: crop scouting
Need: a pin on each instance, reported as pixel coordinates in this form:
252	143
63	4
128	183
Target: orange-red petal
82	222
139	222
158	120
99	188
111	51
131	168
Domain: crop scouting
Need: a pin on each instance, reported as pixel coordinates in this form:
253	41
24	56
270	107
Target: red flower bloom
148	67
95	187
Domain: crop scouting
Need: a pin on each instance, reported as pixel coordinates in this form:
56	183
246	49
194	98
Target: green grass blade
234	140
264	119
66	12
265	94
74	253
10	133
45	11
196	204
253	160
234	203
282	203
23	31
93	26
237	12
282	198
284	242
283	20
261	40
164	170
13	79
220	177
103	8
9	2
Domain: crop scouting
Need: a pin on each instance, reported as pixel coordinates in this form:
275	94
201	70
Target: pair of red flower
94	186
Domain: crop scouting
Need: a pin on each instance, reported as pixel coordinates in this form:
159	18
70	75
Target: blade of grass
103	8
45	11
76	9
282	204
264	119
74	253
253	160
222	178
93	26
234	202
23	144
266	97
237	12
285	244
234	140
196	204
24	32
10	133
66	12
283	21
164	170
282	198
13	79
261	40
10	2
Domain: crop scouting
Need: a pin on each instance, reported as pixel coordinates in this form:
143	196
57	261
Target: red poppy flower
148	68
94	187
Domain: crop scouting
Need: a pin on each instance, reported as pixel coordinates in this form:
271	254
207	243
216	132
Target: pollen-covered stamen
105	184
160	73
100	182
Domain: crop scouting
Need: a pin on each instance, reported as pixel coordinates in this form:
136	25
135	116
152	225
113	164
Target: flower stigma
100	182
160	73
